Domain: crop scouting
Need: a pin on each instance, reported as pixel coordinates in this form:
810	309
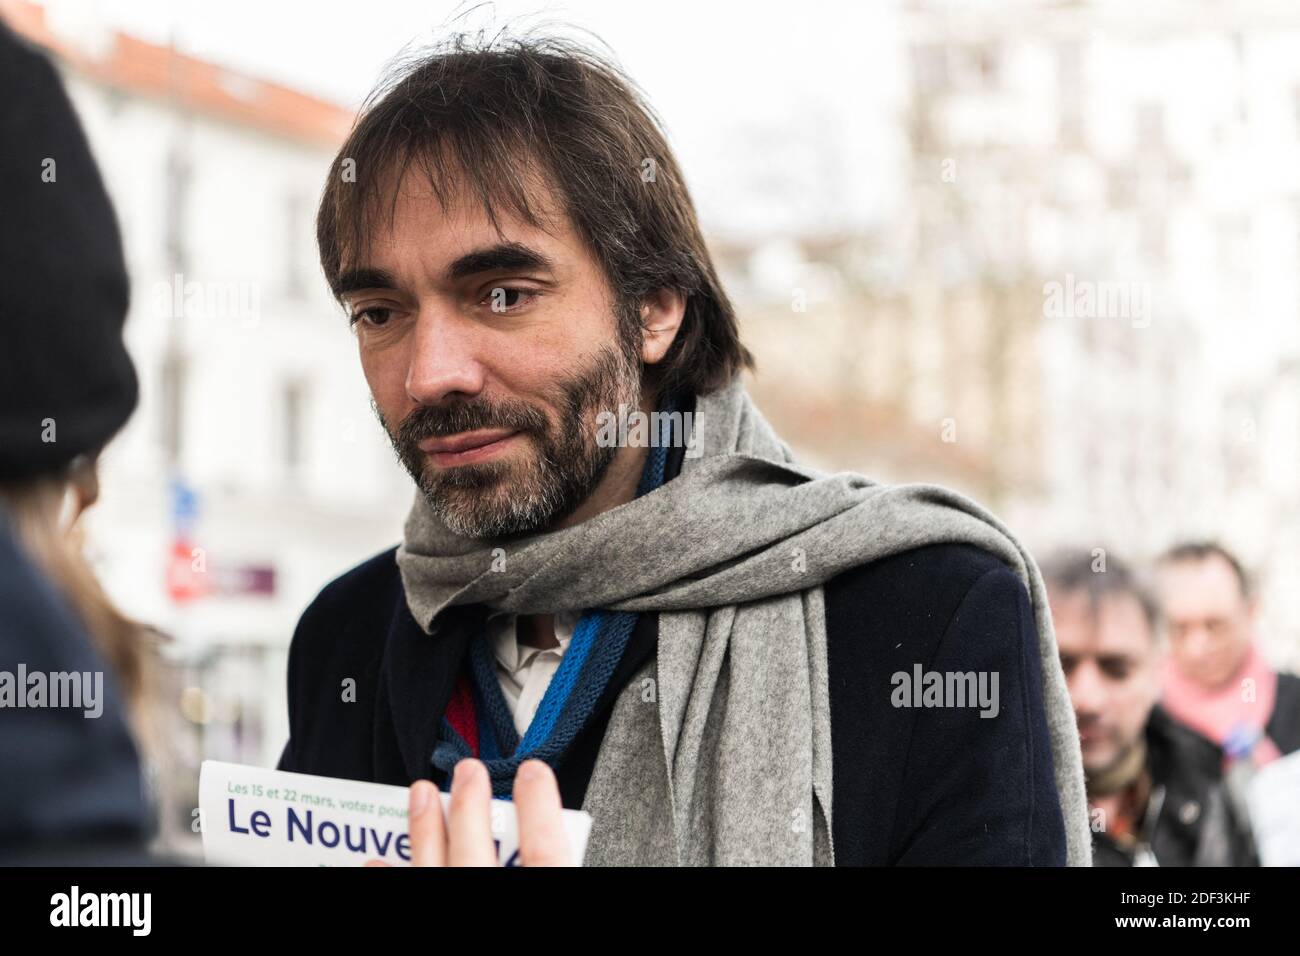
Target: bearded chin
546	479
500	499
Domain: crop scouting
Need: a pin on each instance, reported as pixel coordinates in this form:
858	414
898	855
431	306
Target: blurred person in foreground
1155	788
707	645
74	672
73	793
1216	679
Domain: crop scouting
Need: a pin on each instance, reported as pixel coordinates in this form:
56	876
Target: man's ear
661	317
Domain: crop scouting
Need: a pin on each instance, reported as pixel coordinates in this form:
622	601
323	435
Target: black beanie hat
66	381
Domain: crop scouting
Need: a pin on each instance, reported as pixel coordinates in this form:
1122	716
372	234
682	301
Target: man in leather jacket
1156	791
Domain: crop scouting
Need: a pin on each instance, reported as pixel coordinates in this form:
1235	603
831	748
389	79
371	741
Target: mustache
436	421
1090	723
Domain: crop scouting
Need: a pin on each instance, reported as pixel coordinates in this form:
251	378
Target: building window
1152	235
930	69
1151	127
1069	94
987	65
172	406
177	183
293	411
294	217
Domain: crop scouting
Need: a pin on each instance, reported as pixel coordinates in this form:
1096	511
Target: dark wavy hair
1071	571
488	115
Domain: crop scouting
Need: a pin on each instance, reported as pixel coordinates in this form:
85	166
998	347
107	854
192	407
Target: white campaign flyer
257	817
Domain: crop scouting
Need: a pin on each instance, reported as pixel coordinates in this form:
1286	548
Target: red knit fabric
461	714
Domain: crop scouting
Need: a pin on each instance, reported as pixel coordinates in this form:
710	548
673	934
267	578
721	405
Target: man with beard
696	649
1155	789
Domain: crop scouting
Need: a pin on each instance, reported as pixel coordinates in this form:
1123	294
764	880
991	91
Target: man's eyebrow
506	255
354	280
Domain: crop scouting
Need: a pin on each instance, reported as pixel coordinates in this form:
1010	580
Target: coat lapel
420	672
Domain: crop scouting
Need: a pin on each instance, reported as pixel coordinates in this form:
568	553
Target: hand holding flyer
257	817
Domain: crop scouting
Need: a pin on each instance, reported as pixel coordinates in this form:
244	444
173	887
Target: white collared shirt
525	672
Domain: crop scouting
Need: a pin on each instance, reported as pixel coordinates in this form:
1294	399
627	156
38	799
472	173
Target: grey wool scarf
719	750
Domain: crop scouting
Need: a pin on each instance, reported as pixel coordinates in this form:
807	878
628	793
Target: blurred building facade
1082	308
1146	156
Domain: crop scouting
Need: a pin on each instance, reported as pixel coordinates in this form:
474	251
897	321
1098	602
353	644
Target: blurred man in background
1155	790
1216	679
